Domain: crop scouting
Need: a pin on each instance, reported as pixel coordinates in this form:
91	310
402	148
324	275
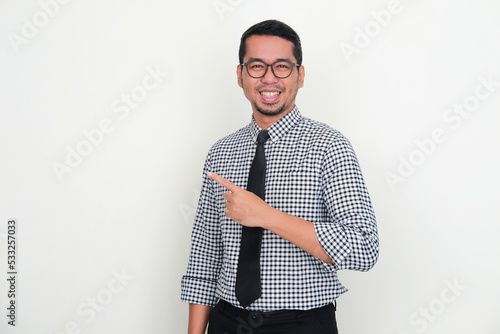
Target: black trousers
226	319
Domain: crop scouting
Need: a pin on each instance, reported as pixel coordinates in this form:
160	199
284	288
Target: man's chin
270	111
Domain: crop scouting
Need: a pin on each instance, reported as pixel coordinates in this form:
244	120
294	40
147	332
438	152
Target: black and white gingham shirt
312	173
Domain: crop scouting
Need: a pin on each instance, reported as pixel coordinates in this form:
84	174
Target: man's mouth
270	97
270	94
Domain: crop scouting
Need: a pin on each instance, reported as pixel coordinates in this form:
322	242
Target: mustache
277	87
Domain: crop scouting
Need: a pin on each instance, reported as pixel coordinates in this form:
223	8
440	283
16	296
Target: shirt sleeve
199	284
350	235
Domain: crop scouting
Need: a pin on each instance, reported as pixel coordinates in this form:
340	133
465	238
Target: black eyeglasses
281	68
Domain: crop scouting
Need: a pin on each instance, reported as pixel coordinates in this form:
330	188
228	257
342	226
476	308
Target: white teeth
269	94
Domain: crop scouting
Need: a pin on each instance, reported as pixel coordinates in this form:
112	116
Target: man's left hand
242	206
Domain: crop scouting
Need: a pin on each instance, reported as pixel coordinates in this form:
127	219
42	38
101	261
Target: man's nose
269	77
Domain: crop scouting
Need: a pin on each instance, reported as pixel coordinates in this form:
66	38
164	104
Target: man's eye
283	66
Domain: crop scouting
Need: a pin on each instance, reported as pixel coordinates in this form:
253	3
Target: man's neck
265	121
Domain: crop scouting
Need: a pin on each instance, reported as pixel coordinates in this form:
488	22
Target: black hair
272	28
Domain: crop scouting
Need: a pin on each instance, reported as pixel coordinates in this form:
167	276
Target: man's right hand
198	318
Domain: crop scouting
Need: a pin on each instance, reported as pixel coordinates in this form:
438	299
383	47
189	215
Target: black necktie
248	287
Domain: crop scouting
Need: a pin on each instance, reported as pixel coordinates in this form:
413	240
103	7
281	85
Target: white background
127	205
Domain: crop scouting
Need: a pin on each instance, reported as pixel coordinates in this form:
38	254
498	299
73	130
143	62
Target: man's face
269	95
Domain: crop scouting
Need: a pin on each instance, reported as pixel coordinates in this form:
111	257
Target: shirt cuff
334	241
198	291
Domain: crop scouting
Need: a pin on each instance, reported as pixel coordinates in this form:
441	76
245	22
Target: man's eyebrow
279	59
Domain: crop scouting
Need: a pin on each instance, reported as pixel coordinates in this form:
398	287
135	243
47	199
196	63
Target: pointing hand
242	206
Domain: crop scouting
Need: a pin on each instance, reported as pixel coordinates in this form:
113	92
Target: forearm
249	210
296	230
198	318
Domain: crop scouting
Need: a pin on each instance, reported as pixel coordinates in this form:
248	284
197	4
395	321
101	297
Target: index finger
223	182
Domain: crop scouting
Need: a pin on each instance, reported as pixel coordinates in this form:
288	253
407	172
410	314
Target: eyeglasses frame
269	65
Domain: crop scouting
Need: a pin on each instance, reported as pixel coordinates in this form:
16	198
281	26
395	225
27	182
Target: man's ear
238	74
302	74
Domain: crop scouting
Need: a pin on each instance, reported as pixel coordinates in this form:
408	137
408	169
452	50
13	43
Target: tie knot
262	137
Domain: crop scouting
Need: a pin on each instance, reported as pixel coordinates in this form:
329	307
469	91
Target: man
267	258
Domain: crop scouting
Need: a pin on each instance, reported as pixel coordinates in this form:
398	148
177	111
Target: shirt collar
280	127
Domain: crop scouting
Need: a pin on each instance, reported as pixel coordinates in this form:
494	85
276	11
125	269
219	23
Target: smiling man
283	207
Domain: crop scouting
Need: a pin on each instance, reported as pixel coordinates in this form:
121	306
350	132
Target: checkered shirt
312	173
